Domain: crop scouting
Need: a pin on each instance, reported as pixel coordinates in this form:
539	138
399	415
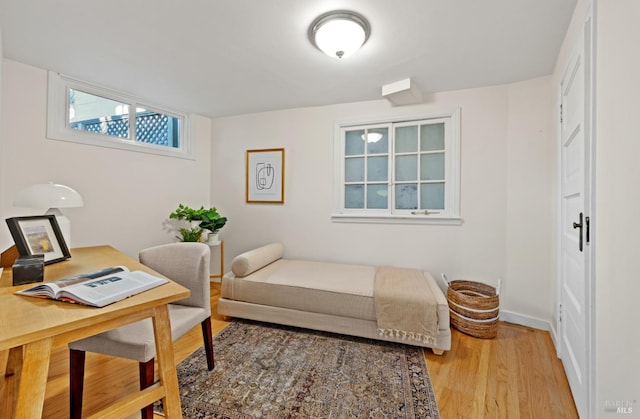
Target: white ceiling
217	57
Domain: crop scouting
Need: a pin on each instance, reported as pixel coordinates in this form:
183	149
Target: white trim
524	320
588	32
444	112
58	129
590	24
395	219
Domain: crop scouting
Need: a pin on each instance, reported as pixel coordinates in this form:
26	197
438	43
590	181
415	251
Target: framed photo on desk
39	234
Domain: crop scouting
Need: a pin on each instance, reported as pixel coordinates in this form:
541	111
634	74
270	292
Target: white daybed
331	297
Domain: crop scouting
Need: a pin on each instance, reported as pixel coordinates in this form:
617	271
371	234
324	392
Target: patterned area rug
269	371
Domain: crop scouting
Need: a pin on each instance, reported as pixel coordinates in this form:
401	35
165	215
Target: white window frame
449	216
58	127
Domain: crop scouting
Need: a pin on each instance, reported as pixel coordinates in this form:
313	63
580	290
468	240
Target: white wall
500	126
531	214
617	204
128	195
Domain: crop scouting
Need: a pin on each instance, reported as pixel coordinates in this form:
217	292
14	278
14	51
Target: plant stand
221	245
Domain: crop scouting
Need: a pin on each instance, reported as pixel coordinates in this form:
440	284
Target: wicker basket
473	307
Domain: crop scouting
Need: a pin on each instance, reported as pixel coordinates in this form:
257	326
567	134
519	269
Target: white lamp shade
48	195
340	38
340	33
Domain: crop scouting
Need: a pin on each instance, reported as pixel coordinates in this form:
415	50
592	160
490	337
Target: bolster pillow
251	261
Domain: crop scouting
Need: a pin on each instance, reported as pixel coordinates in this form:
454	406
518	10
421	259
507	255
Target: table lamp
52	196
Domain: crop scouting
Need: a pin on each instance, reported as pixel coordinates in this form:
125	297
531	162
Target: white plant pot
214	239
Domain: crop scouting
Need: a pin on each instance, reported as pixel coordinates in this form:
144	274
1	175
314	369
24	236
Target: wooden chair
184	263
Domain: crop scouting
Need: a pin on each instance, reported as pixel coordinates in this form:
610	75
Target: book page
52	289
45	290
111	288
78	279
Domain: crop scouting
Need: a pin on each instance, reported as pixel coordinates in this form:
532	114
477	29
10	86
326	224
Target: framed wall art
265	176
39	235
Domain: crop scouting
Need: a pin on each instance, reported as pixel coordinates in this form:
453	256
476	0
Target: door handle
579	226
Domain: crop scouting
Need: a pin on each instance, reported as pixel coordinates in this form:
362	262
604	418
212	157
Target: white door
575	324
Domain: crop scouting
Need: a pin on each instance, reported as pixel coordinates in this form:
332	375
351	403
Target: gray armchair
184	263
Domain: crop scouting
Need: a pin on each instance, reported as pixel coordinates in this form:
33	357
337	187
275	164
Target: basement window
84	113
403	170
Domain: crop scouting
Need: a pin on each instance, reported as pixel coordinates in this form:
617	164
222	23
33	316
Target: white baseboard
528	321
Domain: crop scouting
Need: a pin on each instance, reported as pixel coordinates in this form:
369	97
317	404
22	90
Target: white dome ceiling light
339	33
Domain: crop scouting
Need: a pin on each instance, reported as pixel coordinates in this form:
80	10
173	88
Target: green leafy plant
186	213
212	221
209	219
190	234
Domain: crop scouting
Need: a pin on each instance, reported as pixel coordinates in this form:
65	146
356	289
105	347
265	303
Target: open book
96	289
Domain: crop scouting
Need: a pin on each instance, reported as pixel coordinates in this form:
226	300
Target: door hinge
560	313
561	113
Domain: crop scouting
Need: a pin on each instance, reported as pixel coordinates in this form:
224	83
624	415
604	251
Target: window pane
354	169
432	137
406	139
353	143
432	196
432	166
97	114
157	128
377	141
406	168
354	196
377	168
407	196
377	196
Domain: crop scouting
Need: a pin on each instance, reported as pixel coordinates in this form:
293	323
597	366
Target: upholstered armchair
184	263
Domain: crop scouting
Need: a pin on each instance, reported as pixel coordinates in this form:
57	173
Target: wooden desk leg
10	366
33	379
166	362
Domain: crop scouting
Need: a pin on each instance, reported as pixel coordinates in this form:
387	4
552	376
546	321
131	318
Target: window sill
395	219
118	143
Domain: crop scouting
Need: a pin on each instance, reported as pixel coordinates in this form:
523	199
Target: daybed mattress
319	295
335	289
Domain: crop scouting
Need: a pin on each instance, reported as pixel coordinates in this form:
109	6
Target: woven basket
473	307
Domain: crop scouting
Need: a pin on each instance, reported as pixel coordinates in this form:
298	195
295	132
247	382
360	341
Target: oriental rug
270	371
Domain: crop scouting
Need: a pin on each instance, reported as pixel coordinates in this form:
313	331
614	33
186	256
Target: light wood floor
516	375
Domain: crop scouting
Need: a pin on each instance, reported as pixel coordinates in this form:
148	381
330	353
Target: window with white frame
403	169
88	114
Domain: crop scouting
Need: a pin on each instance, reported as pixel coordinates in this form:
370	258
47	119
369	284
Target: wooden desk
31	327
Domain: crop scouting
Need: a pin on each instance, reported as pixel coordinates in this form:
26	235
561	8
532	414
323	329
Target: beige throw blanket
405	306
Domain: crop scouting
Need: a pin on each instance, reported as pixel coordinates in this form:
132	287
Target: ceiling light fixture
339	33
371	137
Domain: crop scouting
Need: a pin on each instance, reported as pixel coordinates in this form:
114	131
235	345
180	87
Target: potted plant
212	222
186	213
193	234
201	219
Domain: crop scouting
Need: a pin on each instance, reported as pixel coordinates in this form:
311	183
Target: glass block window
84	113
400	168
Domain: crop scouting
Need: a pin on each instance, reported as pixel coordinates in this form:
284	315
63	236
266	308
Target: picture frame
39	234
265	176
